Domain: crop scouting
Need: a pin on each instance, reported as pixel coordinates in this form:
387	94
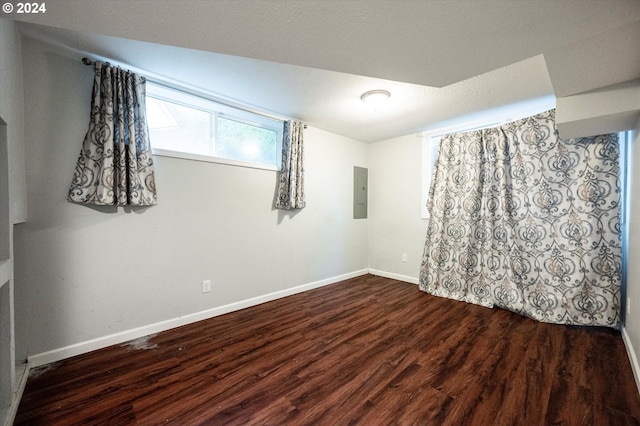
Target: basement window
193	127
492	118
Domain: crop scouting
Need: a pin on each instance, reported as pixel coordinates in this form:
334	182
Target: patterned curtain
115	166
529	222
291	188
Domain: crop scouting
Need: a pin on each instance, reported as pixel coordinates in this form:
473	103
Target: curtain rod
195	91
88	61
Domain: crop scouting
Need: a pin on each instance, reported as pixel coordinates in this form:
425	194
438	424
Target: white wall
12	207
84	273
12	112
89	272
395	226
632	318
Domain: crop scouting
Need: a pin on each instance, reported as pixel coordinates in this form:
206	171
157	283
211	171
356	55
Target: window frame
430	150
215	107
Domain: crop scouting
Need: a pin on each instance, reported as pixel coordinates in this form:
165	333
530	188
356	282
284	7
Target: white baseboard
393	276
124	336
632	356
9	414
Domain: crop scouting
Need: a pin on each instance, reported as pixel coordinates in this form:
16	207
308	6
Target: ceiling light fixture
375	98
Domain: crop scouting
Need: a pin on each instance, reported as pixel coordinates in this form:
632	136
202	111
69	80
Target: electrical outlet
628	305
404	257
206	286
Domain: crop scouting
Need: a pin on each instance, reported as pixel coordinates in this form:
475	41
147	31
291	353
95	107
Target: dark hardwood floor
366	351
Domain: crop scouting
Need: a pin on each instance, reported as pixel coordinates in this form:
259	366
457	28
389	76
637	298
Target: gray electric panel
360	176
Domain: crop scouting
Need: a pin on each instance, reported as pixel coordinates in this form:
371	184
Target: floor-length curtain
291	186
115	166
526	221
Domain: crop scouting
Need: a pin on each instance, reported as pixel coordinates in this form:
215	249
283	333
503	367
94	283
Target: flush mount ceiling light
375	98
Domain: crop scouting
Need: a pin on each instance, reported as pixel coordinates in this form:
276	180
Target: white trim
394	276
21	382
429	145
211	159
124	336
204	93
214	110
635	367
5	271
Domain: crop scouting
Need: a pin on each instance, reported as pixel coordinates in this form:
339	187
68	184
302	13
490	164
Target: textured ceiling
312	59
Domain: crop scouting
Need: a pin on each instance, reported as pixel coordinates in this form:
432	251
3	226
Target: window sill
208	159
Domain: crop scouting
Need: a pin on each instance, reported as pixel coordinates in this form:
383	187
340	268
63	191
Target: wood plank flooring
366	351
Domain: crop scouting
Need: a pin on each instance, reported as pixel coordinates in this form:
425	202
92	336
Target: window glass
246	142
176	127
184	125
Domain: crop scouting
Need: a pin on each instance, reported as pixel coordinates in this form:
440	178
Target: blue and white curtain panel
115	166
290	195
529	222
